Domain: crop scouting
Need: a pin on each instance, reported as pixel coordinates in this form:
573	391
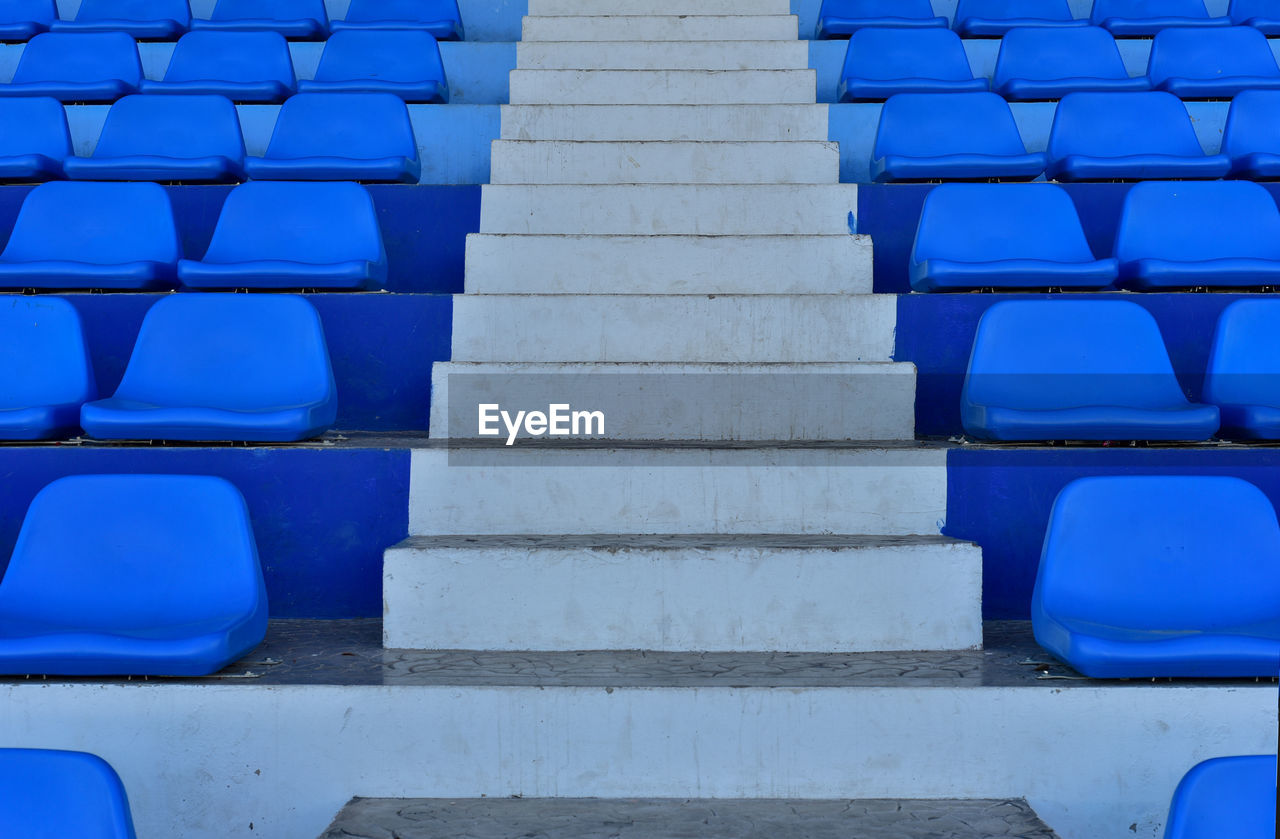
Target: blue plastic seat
1225	796
1127	136
340	137
406	64
55	793
1243	378
1161	576
1262	15
298	19
239	367
882	61
21	20
166	138
439	18
293	235
1147	17
1212	63
950	136
143	19
1036	63
34	140
841	18
71	234
1076	370
242	66
1005	236
1224	234
140	575
993	18
1252	135
45	375
91	67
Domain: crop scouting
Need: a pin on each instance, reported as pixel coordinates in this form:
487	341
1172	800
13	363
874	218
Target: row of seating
250	67
993	18
166	19
1049	63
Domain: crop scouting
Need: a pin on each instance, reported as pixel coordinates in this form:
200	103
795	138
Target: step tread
627	541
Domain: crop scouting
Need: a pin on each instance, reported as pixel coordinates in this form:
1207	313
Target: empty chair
1262	15
140	575
1212	63
239	367
841	18
300	19
21	20
34	139
881	62
292	235
1147	17
56	793
1076	370
1243	378
1161	576
440	18
242	66
90	67
1224	234
166	138
1252	135
1036	63
993	18
340	137
950	136
1225	796
406	64
45	375
154	19
1127	136
87	235
1003	236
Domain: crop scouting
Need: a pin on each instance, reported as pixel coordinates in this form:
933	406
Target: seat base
1250	422
832	28
1138	167
1038	89
255	92
18	31
107	90
1259	166
50	274
43	422
280	274
427	92
877	90
1236	272
977	27
143	30
304	29
399	170
1224	87
958	167
441	30
124	419
1104	422
30	168
948	275
155	168
1136	27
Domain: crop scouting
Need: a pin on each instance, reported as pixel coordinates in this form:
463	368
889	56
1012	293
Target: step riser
541	8
702	123
663	55
662	87
661	28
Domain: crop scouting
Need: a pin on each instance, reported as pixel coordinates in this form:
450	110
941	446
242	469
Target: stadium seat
242	66
1262	15
1252	135
340	137
21	20
166	138
292	235
1127	136
1003	236
1225	796
1036	63
238	367
950	136
139	575
439	18
1161	576
1076	370
90	67
406	64
34	140
1212	63
1224	234
142	19
993	18
45	375
299	19
841	18
882	61
1243	378
56	793
71	234
1147	17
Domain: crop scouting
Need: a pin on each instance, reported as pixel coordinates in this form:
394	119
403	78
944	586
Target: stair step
540	8
664	122
662	55
663	87
661	28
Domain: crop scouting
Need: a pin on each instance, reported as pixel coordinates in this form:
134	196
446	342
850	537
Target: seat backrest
1242	11
393	55
932	124
104	223
79	57
1014	10
984	222
885	53
239	352
1225	796
22	11
225	10
1244	361
134	10
36	125
856	9
421	11
1119	124
231	57
1192	221
1053	354
1045	54
56	793
1210	53
343	125
1104	10
1253	123
1161	552
172	126
43	357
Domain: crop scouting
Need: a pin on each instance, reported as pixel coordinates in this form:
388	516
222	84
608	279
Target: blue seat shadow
1147	17
1251	137
1037	63
1243	378
142	19
1225	796
1127	136
950	136
1262	15
993	18
90	67
139	575
34	139
974	236
1212	63
1161	576
1222	234
406	64
440	18
841	18
46	374
237	367
340	137
1075	370
166	138
242	66
881	62
77	235
44	792
304	20
293	235
21	20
